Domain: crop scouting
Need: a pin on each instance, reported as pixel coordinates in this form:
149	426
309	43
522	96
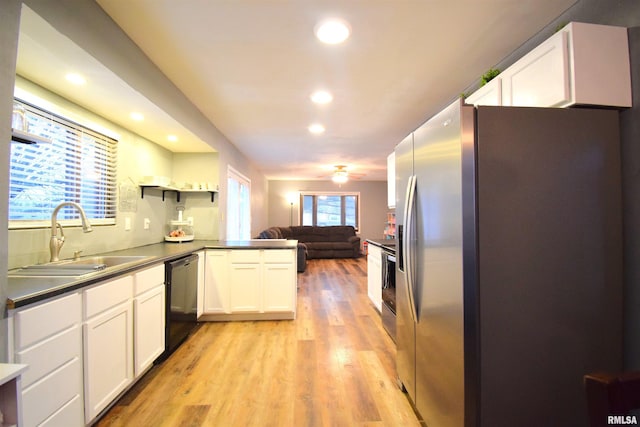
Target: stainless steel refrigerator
509	269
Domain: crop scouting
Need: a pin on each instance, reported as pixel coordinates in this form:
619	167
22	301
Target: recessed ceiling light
76	79
332	31
316	128
138	117
172	138
321	97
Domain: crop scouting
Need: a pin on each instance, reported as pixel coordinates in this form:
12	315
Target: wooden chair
611	395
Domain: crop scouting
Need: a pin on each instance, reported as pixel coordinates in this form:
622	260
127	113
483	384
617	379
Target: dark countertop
27	290
387	244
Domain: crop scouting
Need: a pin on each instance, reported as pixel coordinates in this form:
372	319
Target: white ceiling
251	65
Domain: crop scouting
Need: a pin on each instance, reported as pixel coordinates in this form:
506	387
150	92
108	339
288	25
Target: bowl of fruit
179	234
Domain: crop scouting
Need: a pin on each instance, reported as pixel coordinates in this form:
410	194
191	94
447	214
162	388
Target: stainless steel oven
389	292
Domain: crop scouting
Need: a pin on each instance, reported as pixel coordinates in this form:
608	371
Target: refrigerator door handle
409	248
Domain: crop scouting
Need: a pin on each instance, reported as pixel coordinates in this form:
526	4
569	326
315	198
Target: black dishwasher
181	279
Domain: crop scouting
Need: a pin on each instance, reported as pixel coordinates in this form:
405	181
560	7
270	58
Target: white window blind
78	166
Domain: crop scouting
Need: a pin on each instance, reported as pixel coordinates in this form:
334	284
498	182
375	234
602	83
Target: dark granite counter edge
389	245
28	290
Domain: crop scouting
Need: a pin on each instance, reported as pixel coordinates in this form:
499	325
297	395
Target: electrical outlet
190	221
147	223
127	224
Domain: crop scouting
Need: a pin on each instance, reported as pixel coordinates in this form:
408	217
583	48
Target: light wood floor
332	366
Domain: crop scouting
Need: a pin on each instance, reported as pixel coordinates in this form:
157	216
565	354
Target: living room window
330	208
78	165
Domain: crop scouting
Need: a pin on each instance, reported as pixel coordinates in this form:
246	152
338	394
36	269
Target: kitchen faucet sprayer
55	244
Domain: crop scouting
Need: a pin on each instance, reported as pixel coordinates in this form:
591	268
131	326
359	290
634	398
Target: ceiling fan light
340	176
340	179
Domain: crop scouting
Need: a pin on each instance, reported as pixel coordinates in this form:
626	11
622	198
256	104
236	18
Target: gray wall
624	13
9	28
373	203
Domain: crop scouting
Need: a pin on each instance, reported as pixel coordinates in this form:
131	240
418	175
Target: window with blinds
79	165
330	208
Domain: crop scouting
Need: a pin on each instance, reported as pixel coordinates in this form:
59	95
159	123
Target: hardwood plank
332	366
393	407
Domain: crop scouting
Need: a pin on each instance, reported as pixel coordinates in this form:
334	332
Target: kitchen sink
76	267
105	261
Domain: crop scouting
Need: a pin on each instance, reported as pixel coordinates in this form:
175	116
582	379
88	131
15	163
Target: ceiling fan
341	174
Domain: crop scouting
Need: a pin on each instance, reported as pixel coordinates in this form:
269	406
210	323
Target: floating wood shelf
178	191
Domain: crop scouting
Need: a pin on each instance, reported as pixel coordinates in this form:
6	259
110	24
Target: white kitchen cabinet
245	281
391	180
489	94
216	291
582	64
279	276
200	287
374	275
80	347
149	312
542	77
108	343
47	337
147	279
250	284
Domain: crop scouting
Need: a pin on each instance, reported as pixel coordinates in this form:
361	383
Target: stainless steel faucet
55	244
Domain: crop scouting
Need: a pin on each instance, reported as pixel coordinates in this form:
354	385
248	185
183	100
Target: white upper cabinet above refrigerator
582	64
489	94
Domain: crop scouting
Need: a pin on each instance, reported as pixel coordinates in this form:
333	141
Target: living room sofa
336	241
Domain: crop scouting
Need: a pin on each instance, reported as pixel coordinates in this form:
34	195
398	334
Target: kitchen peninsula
24	291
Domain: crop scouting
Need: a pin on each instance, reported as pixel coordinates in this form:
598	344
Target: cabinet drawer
49	395
278	255
244	256
107	295
50	354
147	279
36	323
